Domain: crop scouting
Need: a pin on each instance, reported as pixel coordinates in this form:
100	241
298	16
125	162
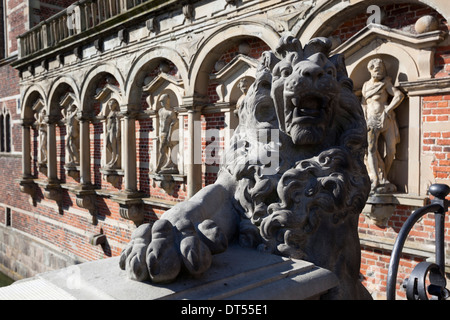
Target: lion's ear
289	44
267	61
315	45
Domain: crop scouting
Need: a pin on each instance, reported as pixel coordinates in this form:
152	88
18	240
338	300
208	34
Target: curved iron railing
416	288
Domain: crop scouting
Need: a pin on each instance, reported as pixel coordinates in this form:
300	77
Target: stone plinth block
238	273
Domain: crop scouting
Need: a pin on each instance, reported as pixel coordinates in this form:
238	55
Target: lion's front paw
132	258
159	252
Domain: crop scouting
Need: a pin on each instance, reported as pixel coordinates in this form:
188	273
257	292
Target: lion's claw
162	259
212	236
132	258
196	255
160	251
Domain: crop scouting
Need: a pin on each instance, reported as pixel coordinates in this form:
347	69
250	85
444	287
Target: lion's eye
331	72
286	72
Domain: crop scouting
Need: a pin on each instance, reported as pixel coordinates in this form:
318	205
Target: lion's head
308	207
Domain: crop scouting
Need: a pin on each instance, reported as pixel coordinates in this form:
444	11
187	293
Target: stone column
52	170
27	183
26	149
231	123
193	163
85	150
129	152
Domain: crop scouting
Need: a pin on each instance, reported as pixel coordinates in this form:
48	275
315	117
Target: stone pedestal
240	274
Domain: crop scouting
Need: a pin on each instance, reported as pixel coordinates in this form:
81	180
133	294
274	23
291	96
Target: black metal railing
427	278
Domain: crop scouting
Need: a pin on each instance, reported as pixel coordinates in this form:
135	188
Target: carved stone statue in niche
381	123
167	121
243	86
42	128
73	136
112	134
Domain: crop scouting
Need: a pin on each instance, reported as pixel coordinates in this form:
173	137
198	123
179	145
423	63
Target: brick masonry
436	143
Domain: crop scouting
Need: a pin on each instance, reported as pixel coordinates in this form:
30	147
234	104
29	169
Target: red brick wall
435	109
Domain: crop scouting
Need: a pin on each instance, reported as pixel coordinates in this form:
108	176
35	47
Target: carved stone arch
64	105
29	98
59	88
160	70
223	38
148	61
209	51
323	19
91	81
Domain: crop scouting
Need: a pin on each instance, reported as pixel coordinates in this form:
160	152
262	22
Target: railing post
415	285
20	47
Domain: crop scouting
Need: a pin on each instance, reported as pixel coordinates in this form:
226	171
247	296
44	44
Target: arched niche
34	99
94	81
64	107
29	98
108	114
164	96
101	92
40	136
234	72
156	61
212	49
408	58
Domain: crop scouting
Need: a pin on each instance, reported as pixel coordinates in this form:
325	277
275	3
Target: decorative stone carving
232	75
168	121
111	116
69	112
285	18
41	125
86	199
243	86
189	12
303	203
381	123
112	135
167	163
426	24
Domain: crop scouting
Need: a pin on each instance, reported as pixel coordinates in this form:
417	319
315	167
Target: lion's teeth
295	102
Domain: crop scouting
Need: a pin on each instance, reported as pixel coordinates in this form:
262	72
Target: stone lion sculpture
305	207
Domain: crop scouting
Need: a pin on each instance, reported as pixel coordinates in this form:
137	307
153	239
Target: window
3	41
5	131
8	217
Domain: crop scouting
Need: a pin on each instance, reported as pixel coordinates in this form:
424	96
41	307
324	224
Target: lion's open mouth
307	107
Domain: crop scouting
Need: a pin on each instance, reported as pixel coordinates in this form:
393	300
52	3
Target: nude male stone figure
167	120
381	122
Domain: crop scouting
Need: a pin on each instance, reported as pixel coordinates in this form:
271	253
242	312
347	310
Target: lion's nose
312	71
